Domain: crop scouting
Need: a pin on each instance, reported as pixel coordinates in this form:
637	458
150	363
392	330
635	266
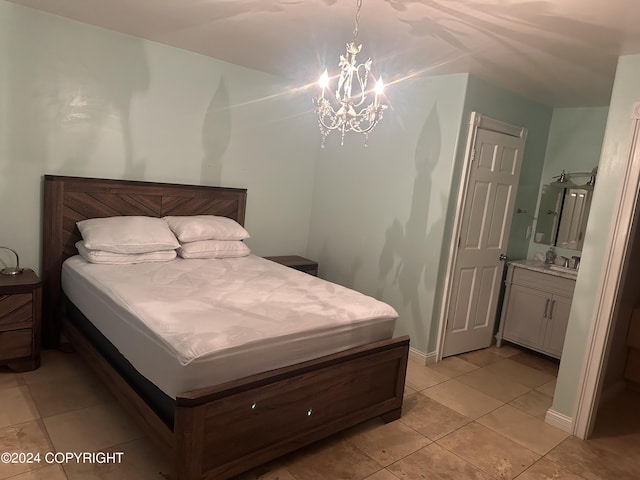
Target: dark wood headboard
67	200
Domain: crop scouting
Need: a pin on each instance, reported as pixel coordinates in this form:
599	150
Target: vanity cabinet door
556	325
526	316
536	310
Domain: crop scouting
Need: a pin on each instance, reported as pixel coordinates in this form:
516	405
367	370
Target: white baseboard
430	358
559	420
421	357
417	356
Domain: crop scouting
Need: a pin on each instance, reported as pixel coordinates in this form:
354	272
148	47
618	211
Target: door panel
484	232
486	157
496	238
477	220
485	293
460	317
509	161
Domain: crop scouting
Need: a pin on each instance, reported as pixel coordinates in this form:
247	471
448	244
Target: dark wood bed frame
221	430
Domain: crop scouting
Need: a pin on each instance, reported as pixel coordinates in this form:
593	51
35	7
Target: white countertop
542	267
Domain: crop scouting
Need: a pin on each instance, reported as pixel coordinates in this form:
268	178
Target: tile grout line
529	390
561	465
477	466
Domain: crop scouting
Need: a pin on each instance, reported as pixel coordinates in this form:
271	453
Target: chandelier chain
355	29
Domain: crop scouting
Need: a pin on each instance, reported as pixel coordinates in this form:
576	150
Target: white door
482	244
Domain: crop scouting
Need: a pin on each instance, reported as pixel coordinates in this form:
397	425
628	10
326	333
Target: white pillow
127	234
214	249
205	227
110	258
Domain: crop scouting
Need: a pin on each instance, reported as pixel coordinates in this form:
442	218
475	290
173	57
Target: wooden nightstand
298	263
20	320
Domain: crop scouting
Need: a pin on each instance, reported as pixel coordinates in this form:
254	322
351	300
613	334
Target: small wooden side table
20	320
298	263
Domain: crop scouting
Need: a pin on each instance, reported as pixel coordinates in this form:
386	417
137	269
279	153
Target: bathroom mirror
562	216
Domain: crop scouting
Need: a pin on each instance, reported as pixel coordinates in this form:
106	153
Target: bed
228	427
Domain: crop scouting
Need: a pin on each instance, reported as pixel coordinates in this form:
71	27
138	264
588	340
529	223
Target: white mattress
187	324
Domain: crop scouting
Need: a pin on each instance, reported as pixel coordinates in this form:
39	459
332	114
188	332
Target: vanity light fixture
12	270
349	109
564	179
592	179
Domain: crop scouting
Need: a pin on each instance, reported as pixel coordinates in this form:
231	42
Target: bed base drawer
247	428
285	409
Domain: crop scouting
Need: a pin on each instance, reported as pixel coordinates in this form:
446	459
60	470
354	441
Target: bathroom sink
559	268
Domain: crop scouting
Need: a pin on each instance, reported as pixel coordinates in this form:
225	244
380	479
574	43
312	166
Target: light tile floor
475	416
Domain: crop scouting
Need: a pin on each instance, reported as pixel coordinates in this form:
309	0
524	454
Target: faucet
576	262
550	256
565	261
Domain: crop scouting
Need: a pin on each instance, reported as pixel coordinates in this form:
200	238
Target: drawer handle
309	412
254	405
546	308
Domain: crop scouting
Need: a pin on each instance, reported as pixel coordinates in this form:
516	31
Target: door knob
502	257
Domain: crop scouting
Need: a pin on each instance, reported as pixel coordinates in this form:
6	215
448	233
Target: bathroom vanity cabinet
536	307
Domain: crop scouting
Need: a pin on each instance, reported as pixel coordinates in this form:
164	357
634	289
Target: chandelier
349	109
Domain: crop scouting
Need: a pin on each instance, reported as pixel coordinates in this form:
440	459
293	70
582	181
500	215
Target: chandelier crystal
349	109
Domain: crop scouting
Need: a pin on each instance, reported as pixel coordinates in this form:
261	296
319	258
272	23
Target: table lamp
12	270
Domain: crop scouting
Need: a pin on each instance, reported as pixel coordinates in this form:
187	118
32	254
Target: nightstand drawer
16	311
15	344
20	320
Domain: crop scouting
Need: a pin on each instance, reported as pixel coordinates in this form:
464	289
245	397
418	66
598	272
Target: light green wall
575	142
379	212
80	100
610	172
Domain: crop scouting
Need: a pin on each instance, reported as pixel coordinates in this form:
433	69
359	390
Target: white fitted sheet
188	324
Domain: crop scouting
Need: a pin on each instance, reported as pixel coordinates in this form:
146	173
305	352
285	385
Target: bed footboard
226	430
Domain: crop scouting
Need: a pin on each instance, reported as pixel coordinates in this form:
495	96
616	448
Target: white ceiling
560	52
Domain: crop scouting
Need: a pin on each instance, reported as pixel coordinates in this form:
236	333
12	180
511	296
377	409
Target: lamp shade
12	270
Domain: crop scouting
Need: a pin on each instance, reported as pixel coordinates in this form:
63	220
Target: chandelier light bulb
324	80
378	91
